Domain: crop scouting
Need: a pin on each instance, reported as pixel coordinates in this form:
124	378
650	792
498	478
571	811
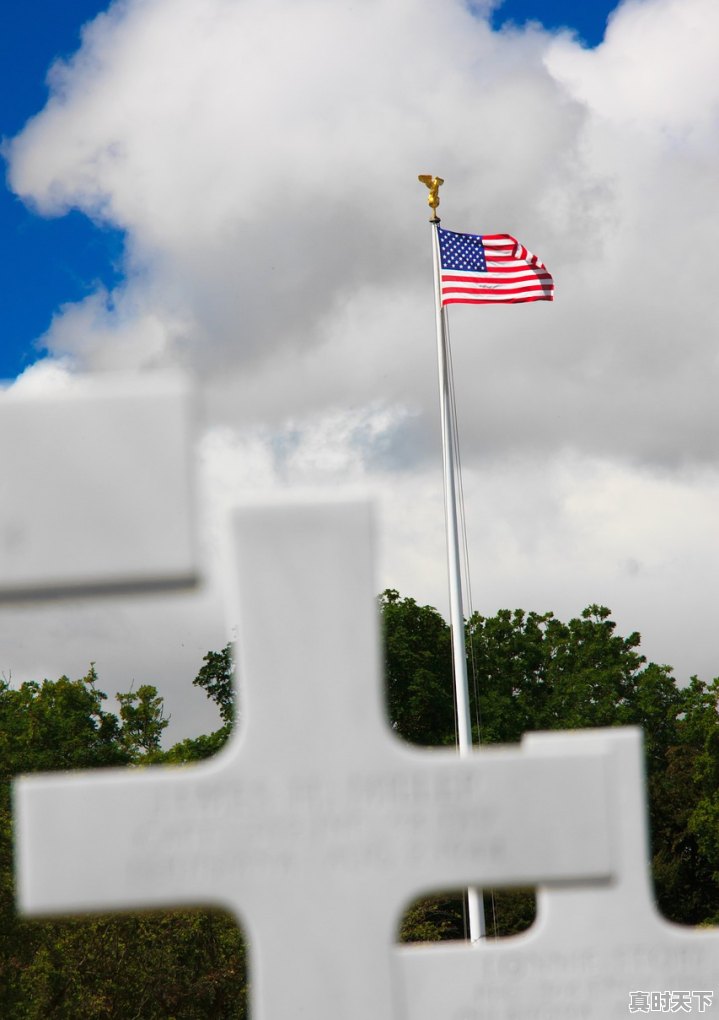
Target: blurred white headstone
316	826
597	951
95	488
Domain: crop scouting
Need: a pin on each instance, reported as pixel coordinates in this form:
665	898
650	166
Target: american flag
490	269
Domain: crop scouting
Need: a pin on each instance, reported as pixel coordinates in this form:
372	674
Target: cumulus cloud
262	158
50	375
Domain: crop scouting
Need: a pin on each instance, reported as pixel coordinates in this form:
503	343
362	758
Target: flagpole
475	903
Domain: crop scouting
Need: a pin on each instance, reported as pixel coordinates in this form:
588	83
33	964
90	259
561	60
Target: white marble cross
597	951
315	826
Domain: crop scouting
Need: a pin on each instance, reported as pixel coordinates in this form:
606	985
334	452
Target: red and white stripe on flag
512	275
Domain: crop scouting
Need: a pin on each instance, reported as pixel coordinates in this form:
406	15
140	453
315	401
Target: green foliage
186	965
143	720
434	919
217	680
535	672
57	725
684	799
418	670
532	671
196	748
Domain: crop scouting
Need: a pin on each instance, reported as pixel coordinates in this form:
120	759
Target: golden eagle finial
433	183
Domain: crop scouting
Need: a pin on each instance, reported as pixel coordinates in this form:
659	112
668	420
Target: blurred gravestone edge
314	810
96	487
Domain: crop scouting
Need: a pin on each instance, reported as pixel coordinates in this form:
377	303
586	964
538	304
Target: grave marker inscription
598	951
316	825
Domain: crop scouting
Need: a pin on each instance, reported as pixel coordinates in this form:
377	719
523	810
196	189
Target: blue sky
45	263
587	17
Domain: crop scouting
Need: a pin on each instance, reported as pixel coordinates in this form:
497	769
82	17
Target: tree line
529	671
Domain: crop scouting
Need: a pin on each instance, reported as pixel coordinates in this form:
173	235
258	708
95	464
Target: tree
143	720
58	724
531	671
217	679
183	964
418	670
535	672
685	811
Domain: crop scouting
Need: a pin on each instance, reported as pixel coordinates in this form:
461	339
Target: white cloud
49	375
651	73
261	158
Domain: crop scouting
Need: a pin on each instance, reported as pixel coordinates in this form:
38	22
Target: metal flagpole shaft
477	927
456	608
